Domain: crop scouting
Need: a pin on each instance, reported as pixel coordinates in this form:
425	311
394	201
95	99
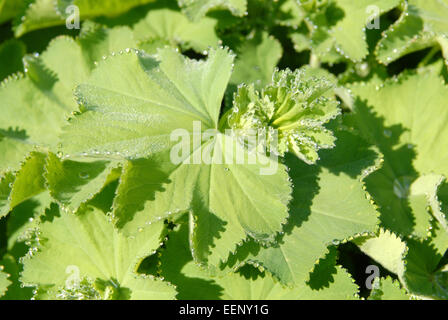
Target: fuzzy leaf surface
84	256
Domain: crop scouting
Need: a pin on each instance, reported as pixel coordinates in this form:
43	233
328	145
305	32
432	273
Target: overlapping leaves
113	213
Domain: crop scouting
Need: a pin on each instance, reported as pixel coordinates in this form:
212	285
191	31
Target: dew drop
387	133
84	175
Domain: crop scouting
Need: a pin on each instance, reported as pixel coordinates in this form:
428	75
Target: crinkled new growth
294	107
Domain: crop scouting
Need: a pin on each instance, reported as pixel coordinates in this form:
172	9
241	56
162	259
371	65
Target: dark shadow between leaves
389	186
208	225
322	275
351	258
145	178
305	182
177	255
104	199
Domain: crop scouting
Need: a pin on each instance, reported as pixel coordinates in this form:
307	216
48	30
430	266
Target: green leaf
319	19
39	14
341	24
96	42
256	60
289	14
194	282
153	89
329	205
9	9
24	218
14	147
397	122
421	275
83	256
439	239
170	93
214	192
73	183
141	182
423	23
174	27
4	282
443	42
388	289
330	281
196	9
13	268
93	8
423	194
349	32
197	283
342	287
292	109
6	182
386	248
44	96
26	183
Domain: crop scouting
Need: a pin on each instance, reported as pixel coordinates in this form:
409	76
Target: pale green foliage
423	23
38	14
141	158
257	59
9	9
422	276
92	8
195	9
339	211
153	88
175	28
398	123
73	183
83	256
349	32
385	248
194	95
388	289
248	283
24	218
44	94
337	28
28	182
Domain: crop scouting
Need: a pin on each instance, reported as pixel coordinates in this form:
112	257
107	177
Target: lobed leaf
83	256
